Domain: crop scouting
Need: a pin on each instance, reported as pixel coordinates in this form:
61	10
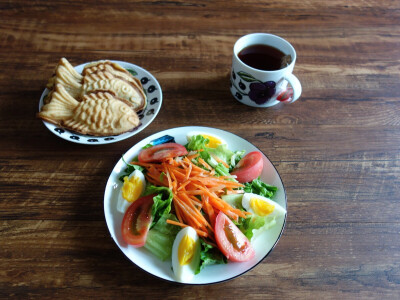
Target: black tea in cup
264	57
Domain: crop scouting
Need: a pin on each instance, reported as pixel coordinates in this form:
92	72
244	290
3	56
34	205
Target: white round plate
154	99
263	244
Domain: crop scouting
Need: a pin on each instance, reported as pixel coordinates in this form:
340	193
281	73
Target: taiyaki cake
98	114
114	68
106	81
66	75
102	76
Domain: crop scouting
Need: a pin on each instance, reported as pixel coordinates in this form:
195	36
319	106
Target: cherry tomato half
136	222
162	151
231	241
249	167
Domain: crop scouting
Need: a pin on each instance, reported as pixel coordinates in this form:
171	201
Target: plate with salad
195	205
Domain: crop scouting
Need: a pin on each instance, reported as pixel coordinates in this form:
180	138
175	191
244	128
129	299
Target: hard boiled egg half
262	206
186	254
214	141
133	187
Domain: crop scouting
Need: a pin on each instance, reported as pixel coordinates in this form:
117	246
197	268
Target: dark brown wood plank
313	247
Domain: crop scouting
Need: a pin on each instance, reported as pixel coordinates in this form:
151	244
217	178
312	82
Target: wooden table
337	149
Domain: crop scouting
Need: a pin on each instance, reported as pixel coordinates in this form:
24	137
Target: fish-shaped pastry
66	75
113	68
98	114
106	81
105	77
117	71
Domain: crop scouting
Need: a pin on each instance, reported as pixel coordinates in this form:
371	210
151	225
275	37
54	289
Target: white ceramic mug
261	88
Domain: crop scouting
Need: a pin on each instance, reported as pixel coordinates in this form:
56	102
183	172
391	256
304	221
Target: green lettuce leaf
234	200
253	225
129	169
161	237
229	157
260	188
221	170
209	255
198	142
162	201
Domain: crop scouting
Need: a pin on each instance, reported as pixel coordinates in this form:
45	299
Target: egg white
186	272
122	204
277	212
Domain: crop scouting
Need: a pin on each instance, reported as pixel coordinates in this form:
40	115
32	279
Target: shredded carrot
199	232
196	192
192	156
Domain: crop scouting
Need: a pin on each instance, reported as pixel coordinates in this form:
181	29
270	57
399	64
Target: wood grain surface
337	149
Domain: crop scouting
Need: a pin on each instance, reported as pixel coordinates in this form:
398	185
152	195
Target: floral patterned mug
260	88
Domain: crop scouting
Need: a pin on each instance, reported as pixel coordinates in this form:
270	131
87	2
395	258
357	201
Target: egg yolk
260	207
213	141
132	188
186	250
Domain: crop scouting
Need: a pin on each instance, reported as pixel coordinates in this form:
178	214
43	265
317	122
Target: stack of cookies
102	101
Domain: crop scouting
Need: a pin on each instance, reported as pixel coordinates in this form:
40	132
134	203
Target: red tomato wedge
162	151
136	222
249	167
231	241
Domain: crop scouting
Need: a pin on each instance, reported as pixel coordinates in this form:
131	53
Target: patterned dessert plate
154	100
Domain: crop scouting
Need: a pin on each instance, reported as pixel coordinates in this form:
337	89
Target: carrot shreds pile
196	192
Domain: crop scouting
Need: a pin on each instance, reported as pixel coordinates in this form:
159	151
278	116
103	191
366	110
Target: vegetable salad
197	204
